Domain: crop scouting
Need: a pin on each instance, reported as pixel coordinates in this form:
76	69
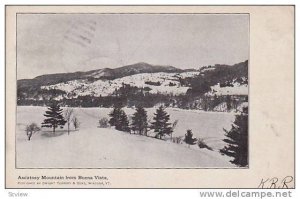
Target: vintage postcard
149	96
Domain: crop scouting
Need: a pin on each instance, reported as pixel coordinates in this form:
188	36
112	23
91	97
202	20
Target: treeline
37	94
221	103
132	96
147	100
125	96
139	124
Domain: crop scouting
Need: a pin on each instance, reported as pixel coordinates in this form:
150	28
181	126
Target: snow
107	87
206	69
237	89
92	147
242	105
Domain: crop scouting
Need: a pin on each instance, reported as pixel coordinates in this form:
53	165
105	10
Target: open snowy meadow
93	147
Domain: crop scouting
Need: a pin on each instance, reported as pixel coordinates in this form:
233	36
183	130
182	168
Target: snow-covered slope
235	89
136	80
104	73
107	87
92	147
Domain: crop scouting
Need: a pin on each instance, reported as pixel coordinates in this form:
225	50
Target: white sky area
58	43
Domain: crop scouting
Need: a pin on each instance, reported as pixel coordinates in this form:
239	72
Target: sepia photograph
168	97
132	90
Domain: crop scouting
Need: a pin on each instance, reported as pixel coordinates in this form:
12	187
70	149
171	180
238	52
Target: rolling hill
104	74
139	83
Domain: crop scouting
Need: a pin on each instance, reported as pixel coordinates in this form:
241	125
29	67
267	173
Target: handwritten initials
274	182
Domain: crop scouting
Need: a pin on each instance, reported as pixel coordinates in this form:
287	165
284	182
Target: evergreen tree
189	138
115	116
123	123
119	119
54	117
161	124
237	140
139	121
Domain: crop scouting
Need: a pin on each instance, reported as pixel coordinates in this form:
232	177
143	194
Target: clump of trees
237	140
54	117
172	84
139	124
32	129
153	83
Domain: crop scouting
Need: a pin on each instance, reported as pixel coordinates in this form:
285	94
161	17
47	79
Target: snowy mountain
141	84
105	73
160	82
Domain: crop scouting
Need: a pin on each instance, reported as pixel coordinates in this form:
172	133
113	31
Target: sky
58	43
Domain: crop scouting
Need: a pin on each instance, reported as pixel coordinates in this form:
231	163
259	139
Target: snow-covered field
93	147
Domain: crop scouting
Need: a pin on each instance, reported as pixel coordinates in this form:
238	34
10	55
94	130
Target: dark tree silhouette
119	119
115	116
139	121
54	117
189	138
161	124
237	140
124	123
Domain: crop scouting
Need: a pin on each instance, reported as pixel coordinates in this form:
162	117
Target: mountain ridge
104	73
205	88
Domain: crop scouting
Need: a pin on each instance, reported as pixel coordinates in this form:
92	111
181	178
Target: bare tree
75	122
31	129
177	140
68	117
173	127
